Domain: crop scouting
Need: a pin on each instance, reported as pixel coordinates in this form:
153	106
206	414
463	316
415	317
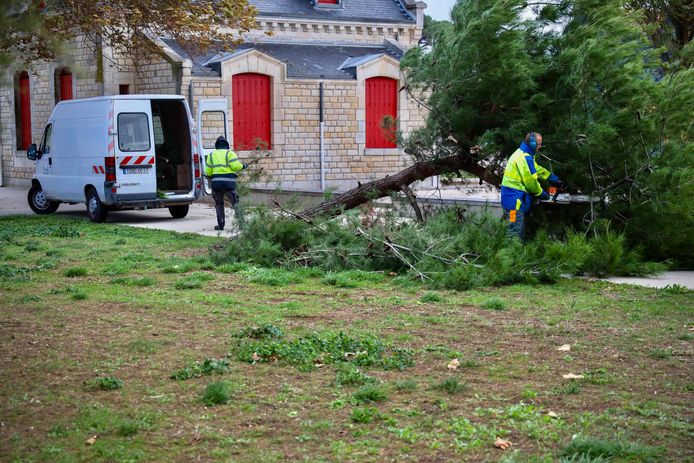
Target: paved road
201	220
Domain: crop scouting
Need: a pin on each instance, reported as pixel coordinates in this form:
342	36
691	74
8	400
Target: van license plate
135	170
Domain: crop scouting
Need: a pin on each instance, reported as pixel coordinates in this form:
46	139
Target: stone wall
295	158
82	58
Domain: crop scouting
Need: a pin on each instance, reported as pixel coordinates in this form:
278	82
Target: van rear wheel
95	208
39	203
178	212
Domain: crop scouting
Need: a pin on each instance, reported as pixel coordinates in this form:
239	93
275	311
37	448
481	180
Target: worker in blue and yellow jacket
521	184
222	166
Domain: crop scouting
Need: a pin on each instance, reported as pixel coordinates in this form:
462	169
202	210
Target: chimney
417	7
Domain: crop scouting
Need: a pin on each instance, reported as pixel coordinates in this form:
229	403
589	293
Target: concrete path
201	219
681	278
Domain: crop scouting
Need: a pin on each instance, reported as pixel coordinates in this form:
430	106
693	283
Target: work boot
219	227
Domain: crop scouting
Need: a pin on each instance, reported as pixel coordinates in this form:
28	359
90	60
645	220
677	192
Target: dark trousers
218	194
515	220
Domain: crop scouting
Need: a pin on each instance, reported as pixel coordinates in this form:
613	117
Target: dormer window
328	3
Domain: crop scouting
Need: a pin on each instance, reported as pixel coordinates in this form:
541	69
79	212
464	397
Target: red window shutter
252	111
381	101
25	109
65	86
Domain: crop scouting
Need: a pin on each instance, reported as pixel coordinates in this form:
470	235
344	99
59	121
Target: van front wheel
39	203
178	212
95	208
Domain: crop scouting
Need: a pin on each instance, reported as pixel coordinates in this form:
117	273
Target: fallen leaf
565	348
255	357
572	376
502	444
92	439
453	364
552	414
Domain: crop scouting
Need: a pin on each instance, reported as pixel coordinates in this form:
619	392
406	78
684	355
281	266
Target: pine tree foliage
616	117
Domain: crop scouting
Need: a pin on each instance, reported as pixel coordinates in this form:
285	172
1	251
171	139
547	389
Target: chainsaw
558	196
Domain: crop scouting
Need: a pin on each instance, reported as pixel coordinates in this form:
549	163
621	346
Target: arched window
22	109
381	103
252	111
63	84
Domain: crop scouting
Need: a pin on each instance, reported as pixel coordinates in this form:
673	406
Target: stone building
341	55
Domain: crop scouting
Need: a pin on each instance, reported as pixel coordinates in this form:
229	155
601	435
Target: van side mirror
31	152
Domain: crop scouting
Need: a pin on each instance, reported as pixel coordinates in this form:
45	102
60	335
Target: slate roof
312	61
367	11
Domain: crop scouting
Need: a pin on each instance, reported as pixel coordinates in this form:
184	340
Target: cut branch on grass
394	249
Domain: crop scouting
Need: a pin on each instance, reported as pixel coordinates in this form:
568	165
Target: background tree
586	74
33	30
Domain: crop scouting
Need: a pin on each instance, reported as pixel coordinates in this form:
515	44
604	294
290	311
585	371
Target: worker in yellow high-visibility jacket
222	166
521	184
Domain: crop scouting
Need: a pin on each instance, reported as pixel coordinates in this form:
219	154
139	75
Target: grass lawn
124	344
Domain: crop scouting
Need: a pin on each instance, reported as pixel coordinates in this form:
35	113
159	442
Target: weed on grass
586	447
103	384
135	281
451	386
209	366
405	385
430	296
193	281
494	303
217	393
79	295
75	272
368	394
327	347
364	415
659	353
271	276
349	375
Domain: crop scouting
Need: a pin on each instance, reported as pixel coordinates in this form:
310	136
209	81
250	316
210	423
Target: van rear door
135	169
212	123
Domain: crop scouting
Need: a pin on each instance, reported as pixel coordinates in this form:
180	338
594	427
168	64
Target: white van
120	152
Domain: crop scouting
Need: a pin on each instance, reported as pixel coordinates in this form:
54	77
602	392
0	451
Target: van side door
134	147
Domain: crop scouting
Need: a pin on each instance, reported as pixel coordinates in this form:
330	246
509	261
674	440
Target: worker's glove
544	196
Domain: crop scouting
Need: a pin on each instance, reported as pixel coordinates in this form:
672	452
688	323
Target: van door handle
50	161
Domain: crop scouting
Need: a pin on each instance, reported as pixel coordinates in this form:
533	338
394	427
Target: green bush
218	393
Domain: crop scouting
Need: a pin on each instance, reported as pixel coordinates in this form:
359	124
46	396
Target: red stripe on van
140	160
125	160
151	160
96	171
101	169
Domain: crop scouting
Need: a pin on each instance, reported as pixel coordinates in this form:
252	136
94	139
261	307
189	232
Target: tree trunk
392	183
